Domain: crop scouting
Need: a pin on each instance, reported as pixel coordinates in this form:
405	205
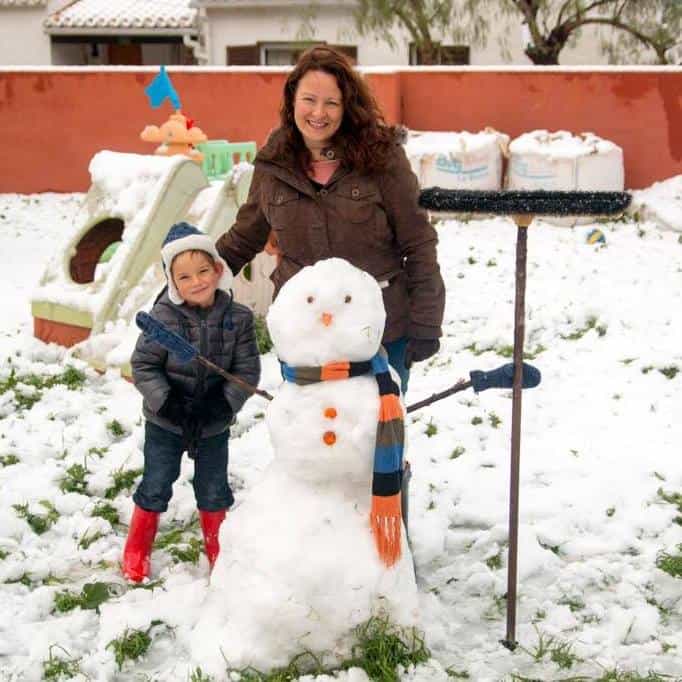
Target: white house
230	32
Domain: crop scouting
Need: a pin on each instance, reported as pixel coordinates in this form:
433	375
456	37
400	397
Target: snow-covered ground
600	468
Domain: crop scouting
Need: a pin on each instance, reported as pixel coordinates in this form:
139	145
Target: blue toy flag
160	89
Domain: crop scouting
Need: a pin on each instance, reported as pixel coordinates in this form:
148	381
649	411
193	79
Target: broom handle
519	331
231	377
459	386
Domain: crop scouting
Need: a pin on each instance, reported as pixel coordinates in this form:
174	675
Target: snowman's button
330	413
329	437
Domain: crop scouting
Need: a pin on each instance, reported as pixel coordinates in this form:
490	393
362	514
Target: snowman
317	549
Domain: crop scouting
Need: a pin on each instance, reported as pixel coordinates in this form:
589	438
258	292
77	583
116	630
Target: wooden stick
231	377
519	331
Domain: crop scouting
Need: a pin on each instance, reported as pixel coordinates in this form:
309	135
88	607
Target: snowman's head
327	312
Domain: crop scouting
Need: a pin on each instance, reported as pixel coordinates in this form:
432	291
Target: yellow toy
178	135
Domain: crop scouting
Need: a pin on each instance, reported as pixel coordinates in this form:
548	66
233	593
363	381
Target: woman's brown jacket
373	221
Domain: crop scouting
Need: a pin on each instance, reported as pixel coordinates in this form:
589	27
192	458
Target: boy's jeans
162	456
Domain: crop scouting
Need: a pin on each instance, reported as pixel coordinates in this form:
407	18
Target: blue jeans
396	358
162	456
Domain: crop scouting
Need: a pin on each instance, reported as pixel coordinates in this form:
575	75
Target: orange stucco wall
53	121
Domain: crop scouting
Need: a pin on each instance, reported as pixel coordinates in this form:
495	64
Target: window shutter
454	54
243	55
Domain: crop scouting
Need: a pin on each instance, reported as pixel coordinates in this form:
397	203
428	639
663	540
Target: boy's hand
214	405
174	408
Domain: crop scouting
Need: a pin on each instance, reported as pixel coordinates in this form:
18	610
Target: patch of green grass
574	603
610	511
382	646
3	554
188	552
115	428
55	667
670	371
87	539
457	674
491	263
9	460
198	675
263	339
100	452
39	522
123	479
591	323
379	649
620	676
494	420
672	498
548	645
70	377
671	563
494	563
476	421
132	644
91	596
552	548
563	656
457	452
431	429
106	511
23	579
74	480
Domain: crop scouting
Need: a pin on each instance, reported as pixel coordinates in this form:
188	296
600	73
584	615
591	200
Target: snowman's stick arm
174	343
502	377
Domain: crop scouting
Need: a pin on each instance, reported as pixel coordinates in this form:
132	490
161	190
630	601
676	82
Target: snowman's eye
347	299
310	299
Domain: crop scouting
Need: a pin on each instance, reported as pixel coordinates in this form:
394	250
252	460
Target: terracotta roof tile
143	14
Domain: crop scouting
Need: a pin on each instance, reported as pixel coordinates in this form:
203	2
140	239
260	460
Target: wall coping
640	68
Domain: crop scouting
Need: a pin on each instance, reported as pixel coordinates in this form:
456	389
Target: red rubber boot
138	547
210	526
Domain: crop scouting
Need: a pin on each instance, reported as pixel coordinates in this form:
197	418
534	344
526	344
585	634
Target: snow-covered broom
523	207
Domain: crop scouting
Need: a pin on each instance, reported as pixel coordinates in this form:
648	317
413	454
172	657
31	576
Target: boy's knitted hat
185	237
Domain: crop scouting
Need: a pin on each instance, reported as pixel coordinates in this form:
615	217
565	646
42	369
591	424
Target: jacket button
329	153
278	198
323	192
355	193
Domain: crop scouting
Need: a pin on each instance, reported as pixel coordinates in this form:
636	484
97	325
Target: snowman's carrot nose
326	319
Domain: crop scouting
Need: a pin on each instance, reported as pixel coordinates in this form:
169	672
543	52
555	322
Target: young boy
186	406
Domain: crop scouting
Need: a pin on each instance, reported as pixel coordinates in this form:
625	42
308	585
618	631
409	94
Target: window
445	55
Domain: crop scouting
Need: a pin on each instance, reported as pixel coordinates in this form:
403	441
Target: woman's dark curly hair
363	137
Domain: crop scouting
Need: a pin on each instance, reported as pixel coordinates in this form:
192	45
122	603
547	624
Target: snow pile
660	203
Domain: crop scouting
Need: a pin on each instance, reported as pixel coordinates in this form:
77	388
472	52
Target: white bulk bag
561	161
457	160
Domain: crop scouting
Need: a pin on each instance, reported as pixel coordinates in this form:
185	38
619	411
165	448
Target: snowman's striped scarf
385	516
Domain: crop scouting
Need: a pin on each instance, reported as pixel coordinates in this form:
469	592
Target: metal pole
519	330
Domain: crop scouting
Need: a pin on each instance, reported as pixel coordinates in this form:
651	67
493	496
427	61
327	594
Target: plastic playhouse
109	266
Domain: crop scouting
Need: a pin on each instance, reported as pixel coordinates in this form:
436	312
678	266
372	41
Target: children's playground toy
109	266
178	135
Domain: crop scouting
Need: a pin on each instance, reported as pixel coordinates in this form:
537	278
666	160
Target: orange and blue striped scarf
385	515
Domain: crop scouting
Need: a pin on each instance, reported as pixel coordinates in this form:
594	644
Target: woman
334	181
